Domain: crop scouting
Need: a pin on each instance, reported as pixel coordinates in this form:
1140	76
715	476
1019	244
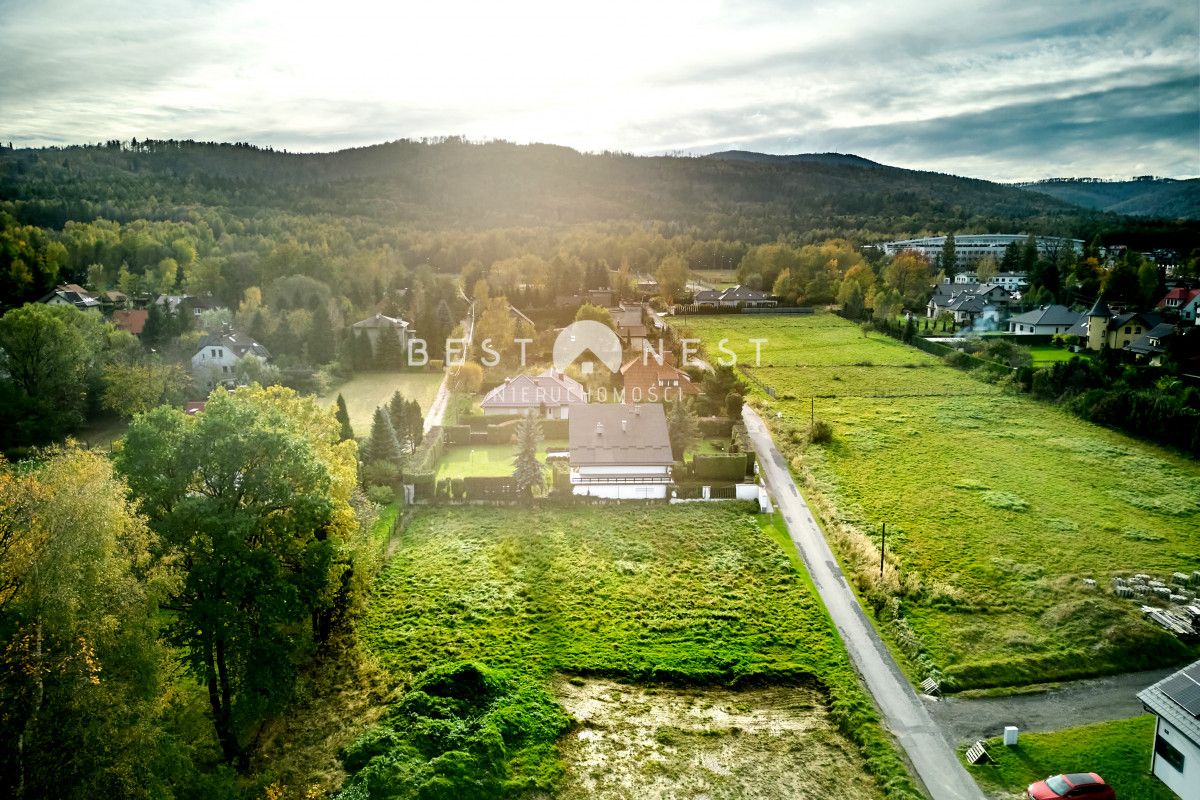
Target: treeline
453	184
157	608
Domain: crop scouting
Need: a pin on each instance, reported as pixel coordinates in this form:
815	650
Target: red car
1083	785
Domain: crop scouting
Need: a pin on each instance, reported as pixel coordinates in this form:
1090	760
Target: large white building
620	451
970	248
1175	702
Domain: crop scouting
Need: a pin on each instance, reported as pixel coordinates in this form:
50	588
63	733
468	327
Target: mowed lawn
1118	751
367	391
997	506
487	460
691	595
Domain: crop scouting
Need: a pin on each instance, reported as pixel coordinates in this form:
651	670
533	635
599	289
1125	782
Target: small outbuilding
1175	702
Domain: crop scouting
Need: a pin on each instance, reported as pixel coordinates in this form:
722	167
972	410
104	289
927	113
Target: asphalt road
932	758
1063	706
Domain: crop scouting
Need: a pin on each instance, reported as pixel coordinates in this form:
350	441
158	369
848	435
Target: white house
1190	311
1047	319
1175	701
373	328
219	354
550	394
1012	281
72	294
620	451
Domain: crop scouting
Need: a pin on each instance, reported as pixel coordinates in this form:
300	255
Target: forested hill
452	183
1150	197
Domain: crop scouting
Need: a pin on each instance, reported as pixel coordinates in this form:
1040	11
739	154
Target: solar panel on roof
1184	691
1193	672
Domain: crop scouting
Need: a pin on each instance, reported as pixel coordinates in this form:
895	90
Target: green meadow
482	611
997	506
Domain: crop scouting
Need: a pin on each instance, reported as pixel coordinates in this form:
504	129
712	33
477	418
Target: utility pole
882	549
812	412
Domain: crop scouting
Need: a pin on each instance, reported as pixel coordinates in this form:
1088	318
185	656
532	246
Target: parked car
1083	785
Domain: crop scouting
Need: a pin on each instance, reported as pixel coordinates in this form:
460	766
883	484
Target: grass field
368	390
701	599
487	460
997	506
1045	354
1117	751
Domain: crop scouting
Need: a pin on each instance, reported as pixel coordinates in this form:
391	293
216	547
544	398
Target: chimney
599	429
637	410
624	426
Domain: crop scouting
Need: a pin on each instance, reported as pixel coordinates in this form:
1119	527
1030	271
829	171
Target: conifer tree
362	353
527	470
389	354
383	445
321	348
682	427
343	418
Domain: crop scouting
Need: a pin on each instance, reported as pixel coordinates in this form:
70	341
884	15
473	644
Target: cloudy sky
1002	90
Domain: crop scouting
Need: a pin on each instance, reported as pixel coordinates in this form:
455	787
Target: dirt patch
639	743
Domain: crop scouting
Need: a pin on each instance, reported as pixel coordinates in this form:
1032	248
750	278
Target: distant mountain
1141	197
848	159
453	183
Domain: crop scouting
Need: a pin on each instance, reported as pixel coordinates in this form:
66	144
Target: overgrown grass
366	391
997	506
685	595
1117	751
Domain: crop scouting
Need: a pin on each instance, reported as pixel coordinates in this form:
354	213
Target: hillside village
772	485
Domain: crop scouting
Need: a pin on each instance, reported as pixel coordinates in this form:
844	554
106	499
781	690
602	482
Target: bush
458	488
381	495
380	473
820	432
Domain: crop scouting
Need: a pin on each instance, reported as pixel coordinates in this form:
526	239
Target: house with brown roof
551	395
648	381
130	320
620	451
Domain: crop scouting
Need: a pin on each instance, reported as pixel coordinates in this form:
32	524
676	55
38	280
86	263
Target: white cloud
637	76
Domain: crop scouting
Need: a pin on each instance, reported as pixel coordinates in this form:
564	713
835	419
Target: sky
1003	90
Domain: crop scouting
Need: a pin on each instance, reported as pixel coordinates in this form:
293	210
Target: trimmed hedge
502	433
556	428
457	435
723	468
495	488
714	427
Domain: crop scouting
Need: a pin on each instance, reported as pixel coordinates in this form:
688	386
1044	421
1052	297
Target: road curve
933	760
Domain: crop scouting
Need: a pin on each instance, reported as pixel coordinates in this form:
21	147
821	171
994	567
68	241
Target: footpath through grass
1117	751
997	506
697	595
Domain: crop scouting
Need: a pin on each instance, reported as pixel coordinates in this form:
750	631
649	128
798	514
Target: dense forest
1145	196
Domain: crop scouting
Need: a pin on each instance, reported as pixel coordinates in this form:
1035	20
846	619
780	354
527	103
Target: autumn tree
81	668
672	277
596	314
909	274
251	496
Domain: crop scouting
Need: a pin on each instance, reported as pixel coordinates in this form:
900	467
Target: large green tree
251	496
683	429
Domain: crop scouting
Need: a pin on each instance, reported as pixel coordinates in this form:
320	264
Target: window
1169	754
1127	329
214	352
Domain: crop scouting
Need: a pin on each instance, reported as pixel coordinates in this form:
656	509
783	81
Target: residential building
735	297
1190	311
1178	299
172	303
1045	320
1013	282
630	322
620	451
550	395
648	381
114	299
1175	703
1108	329
1150	345
215	362
967	301
378	325
130	320
970	248
72	294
